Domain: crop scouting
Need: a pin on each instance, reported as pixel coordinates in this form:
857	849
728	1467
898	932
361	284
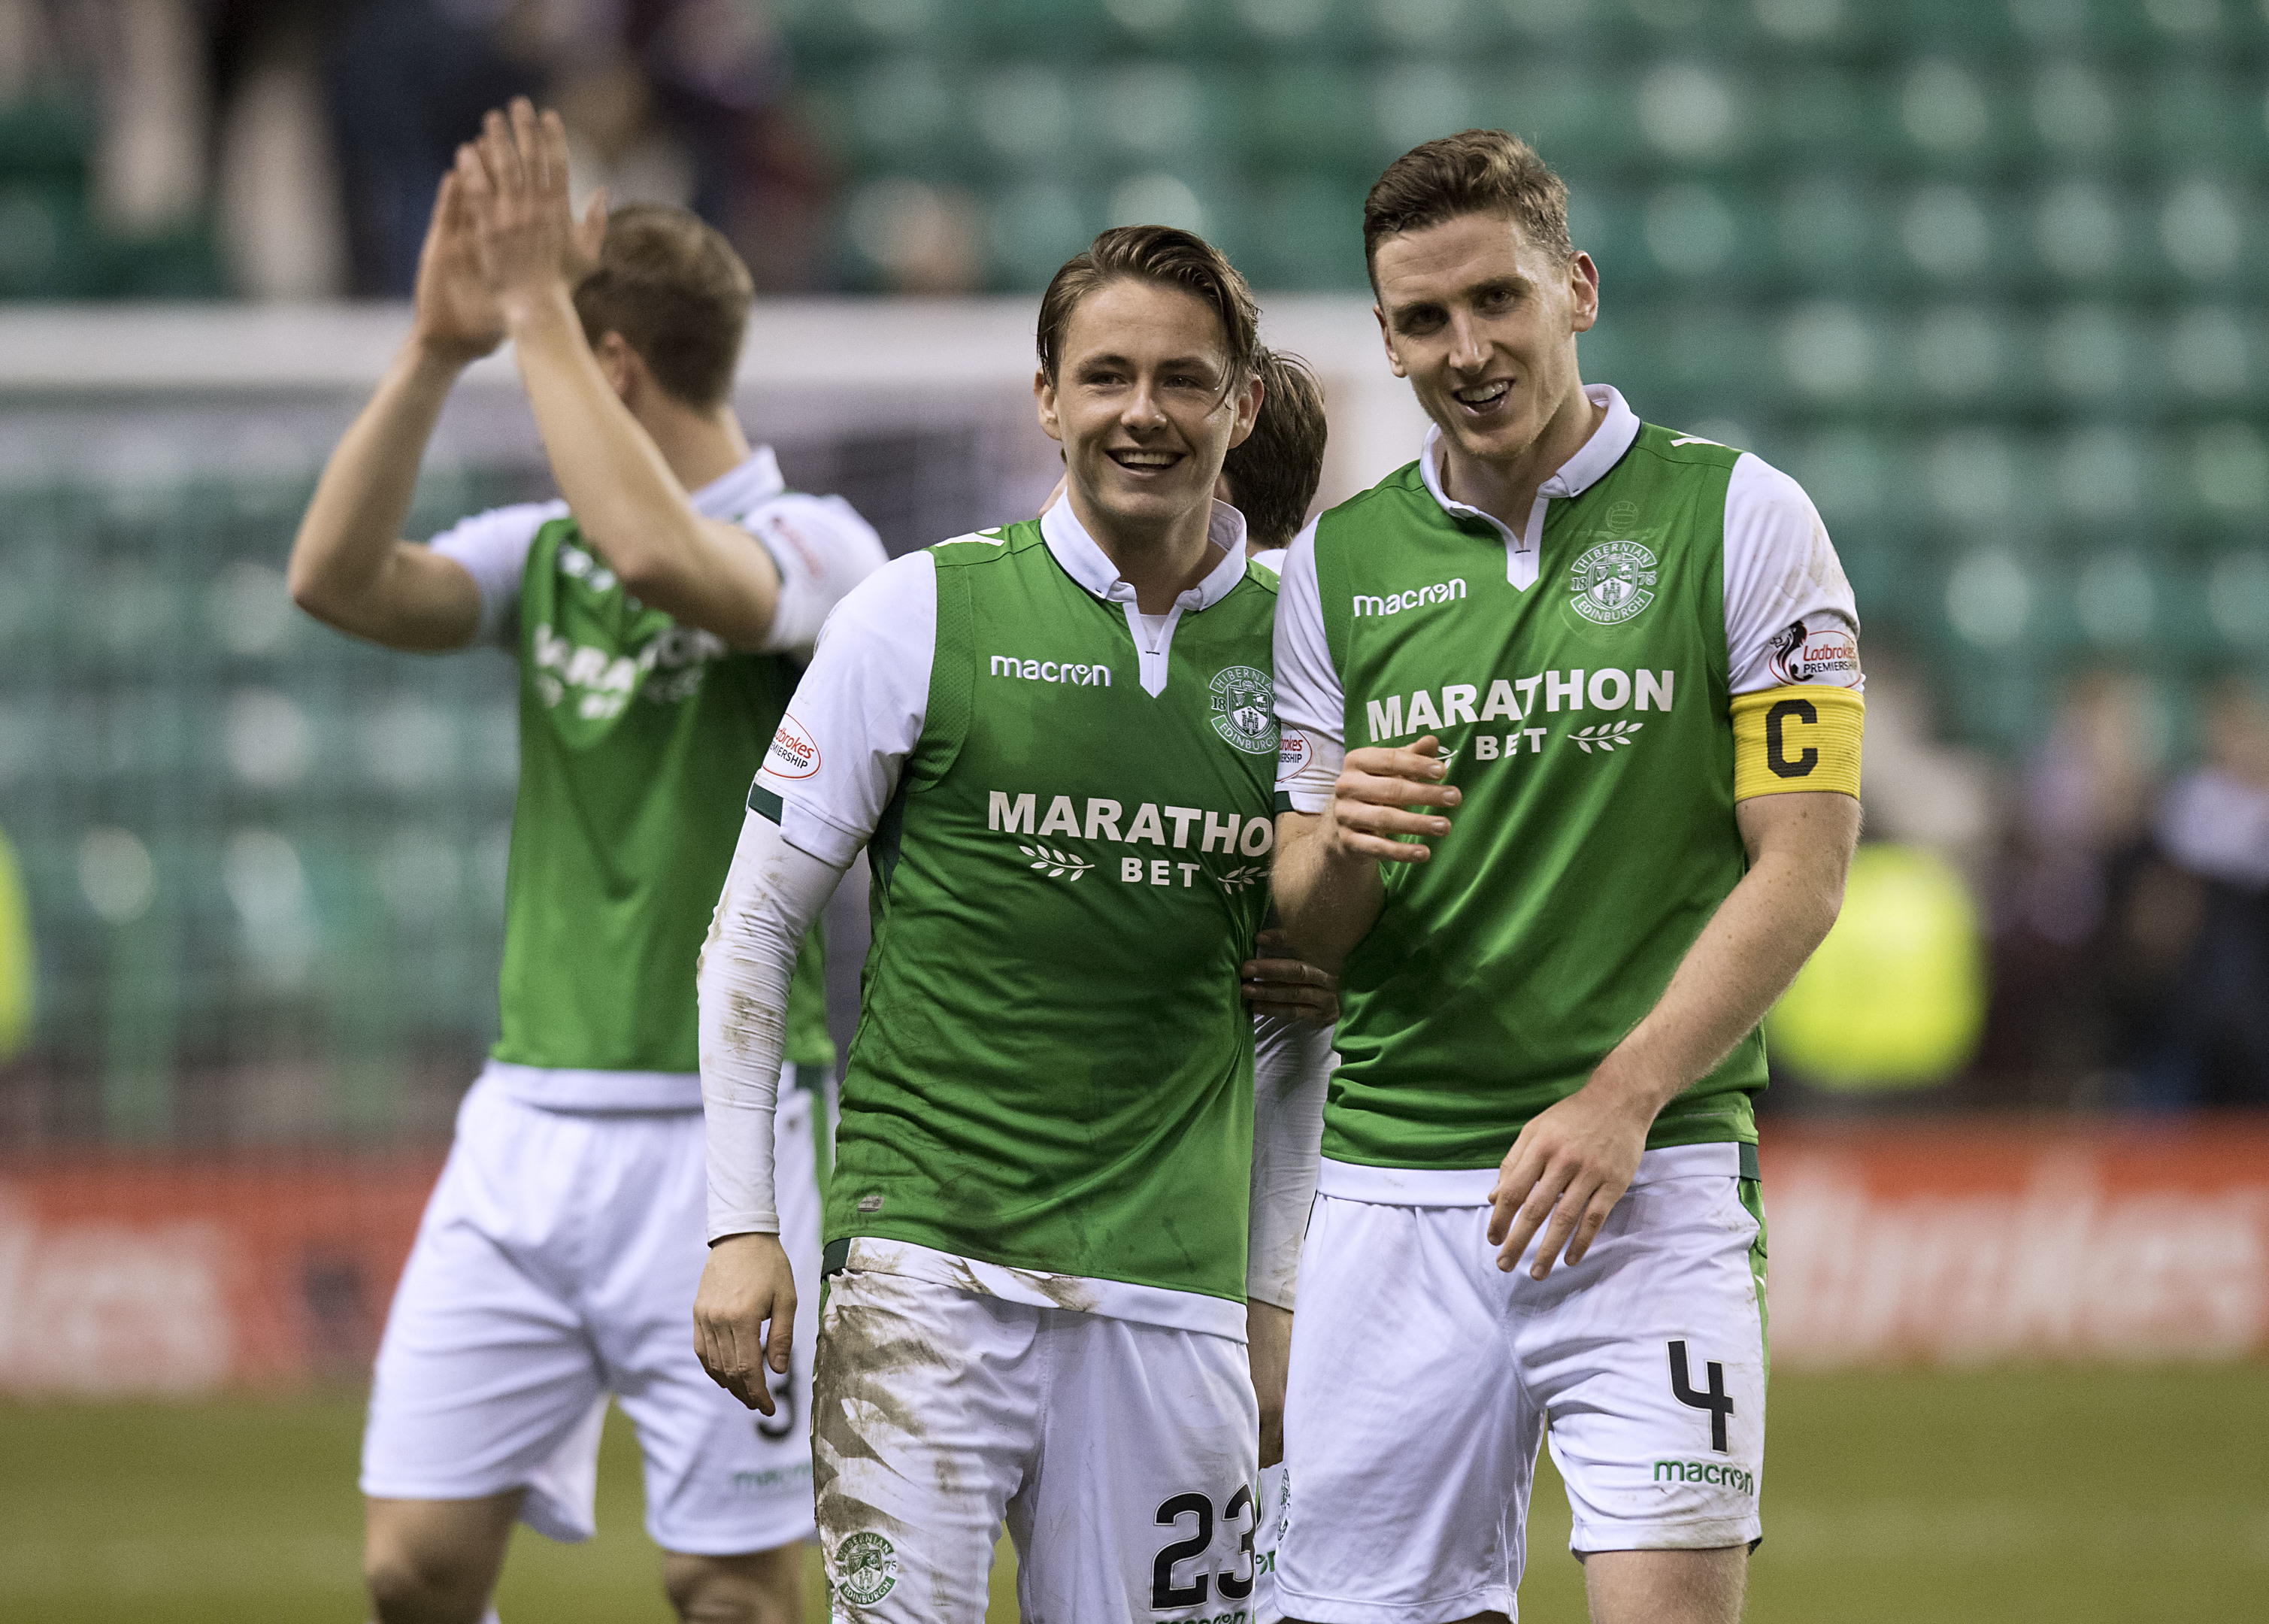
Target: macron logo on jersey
1416	597
1052	671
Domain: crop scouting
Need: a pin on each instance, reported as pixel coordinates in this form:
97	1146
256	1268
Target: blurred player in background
1271	477
1051	739
1272	474
658	634
1583	662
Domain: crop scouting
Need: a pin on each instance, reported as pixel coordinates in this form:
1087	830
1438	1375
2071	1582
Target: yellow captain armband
1798	737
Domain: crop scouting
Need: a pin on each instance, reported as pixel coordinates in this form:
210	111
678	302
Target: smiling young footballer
1054	740
1573	720
658	615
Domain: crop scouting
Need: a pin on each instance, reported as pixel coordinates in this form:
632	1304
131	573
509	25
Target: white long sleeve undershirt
772	894
1291	1064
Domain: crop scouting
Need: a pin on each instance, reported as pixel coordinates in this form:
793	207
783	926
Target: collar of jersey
1573	478
1087	563
733	493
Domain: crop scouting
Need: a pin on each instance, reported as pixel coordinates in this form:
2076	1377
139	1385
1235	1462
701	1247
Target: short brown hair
1165	255
1473	172
1273	474
672	287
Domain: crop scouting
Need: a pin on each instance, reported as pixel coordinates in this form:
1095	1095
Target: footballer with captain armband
1055	742
1572	706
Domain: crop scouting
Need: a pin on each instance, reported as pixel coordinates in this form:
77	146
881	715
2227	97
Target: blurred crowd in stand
309	135
2129	909
2120	878
2089	927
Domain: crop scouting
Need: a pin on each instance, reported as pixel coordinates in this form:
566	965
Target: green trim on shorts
836	1257
1752	1193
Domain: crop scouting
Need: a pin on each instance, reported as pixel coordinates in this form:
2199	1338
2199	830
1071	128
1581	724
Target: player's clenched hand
1564	1175
1278	984
1374	798
515	179
457	320
746	1282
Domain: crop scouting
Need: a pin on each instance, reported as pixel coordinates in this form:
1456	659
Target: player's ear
1248	410
619	362
1044	400
1386	339
1583	292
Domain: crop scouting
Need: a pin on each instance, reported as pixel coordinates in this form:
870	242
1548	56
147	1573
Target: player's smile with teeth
1143	461
1484	396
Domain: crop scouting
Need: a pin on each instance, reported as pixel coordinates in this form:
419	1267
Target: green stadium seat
1829	234
1307	233
1034	227
2205	116
1821	113
1278	25
47	249
1299	114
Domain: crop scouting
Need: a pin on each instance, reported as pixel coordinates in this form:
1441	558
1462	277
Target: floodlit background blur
1986	276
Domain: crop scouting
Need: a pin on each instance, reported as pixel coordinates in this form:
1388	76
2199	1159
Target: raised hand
515	181
457	320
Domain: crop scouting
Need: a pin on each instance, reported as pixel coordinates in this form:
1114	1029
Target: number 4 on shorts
1715	1400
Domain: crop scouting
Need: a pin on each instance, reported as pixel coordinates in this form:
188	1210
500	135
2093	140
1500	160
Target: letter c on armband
1776	756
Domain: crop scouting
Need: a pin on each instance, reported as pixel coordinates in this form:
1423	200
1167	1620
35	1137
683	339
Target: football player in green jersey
1048	739
659	615
1571	715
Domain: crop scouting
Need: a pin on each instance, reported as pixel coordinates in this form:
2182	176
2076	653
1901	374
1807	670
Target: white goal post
811	370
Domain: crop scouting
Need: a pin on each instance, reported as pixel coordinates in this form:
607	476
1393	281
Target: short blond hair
673	287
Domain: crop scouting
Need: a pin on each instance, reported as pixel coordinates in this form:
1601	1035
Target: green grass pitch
2063	1497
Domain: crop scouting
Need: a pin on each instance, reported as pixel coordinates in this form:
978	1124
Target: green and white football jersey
638	737
1581	675
1066	812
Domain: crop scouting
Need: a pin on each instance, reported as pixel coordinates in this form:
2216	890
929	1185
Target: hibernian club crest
1611	582
1245	710
865	1568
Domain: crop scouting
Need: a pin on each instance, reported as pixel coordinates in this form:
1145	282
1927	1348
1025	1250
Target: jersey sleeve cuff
1307	767
1797	737
804	829
724	1226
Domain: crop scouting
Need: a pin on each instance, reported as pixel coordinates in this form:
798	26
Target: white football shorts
1121	1456
1275	1504
556	1265
1423	1379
